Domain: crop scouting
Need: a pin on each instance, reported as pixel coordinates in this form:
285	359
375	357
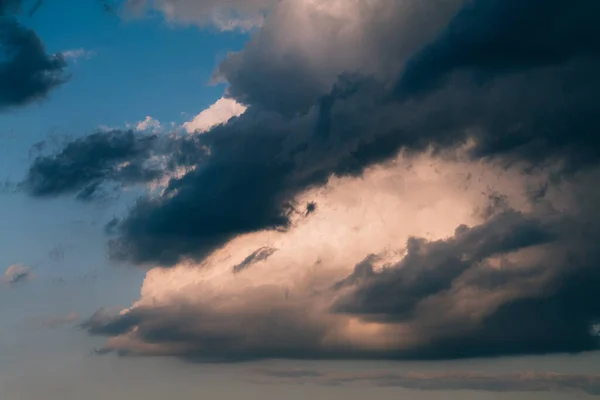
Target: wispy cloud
75	55
518	382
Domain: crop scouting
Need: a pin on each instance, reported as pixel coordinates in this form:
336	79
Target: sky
275	198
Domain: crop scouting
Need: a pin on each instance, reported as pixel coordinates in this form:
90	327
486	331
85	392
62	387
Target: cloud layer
523	382
425	170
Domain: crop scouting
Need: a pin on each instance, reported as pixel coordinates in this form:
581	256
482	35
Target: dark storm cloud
518	80
530	65
85	164
27	72
261	160
241	188
502	36
520	382
257	256
8	7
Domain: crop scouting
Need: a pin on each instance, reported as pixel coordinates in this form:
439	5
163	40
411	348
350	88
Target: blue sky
160	64
165	71
130	70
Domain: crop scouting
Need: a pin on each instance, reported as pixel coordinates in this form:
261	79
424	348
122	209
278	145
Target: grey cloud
249	331
299	53
533	117
552	307
27	73
547	303
519	382
9	7
531	103
431	267
85	164
257	256
212	204
498	37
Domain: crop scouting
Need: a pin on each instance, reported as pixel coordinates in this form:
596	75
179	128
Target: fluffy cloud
16	274
220	112
521	382
452	170
305	45
27	73
149	124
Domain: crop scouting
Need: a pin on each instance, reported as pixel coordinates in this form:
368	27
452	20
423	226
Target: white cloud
76	54
218	113
148	124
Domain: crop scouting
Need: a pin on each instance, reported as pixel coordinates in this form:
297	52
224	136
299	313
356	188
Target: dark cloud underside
27	72
83	165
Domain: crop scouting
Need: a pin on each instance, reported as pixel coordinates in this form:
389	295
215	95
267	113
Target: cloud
76	54
219	113
519	382
230	15
386	115
149	124
257	256
27	73
86	164
16	274
305	45
443	296
9	7
496	49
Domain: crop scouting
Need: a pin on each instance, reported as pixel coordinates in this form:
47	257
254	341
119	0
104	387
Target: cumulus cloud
305	45
451	177
16	274
149	124
27	72
218	113
520	382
